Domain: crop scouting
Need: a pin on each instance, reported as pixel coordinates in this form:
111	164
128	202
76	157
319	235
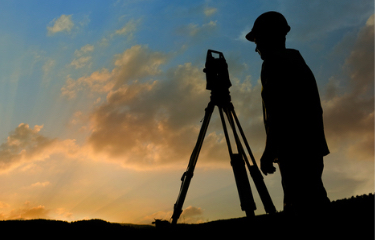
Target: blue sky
101	103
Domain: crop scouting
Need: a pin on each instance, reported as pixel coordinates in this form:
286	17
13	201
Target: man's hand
266	163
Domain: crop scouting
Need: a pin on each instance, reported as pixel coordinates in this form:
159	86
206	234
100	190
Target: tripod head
217	76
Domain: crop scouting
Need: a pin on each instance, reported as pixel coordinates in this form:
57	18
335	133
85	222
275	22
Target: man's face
261	47
266	44
256	46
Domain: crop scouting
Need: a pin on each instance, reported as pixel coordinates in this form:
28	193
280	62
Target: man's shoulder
291	51
284	58
291	54
289	58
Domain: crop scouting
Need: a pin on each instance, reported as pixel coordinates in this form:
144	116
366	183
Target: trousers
302	184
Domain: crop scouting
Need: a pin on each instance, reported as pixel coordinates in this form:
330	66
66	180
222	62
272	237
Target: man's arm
269	154
270	151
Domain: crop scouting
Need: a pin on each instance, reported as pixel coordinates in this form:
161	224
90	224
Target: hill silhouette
351	218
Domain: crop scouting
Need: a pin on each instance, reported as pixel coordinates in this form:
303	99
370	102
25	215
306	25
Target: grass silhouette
351	218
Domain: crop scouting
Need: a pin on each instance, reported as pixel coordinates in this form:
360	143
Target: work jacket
293	116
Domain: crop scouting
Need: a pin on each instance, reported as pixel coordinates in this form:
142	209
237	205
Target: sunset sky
101	103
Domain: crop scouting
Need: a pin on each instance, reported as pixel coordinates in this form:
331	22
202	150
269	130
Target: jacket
292	112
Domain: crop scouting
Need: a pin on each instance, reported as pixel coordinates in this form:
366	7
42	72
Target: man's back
292	104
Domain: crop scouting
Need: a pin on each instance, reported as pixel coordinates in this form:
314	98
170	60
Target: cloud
63	24
28	212
189	215
85	49
4	205
82	59
142	123
195	30
47	70
64	214
349	117
48	65
40	184
243	33
151	118
80	62
37	185
157	215
25	145
192	215
128	29
209	11
98	81
135	63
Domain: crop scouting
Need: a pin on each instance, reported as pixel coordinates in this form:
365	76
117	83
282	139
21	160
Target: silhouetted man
292	117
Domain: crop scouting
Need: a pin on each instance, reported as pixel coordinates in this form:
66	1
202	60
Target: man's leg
302	184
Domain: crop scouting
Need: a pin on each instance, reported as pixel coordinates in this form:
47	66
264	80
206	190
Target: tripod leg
225	132
228	112
233	113
243	185
240	175
187	176
255	172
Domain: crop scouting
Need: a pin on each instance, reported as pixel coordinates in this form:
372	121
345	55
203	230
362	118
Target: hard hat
269	23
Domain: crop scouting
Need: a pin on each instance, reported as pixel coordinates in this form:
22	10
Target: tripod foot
250	214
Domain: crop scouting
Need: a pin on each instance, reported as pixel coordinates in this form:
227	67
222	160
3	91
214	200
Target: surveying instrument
218	82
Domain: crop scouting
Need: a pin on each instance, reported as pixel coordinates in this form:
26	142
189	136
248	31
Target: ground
347	219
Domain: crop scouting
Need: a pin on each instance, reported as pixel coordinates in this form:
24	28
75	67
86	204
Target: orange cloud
29	212
97	82
64	214
40	184
133	64
26	145
33	211
147	123
152	118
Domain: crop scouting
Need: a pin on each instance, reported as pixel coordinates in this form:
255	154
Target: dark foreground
348	219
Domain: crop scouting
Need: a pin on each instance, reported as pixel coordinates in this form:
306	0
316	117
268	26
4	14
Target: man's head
269	33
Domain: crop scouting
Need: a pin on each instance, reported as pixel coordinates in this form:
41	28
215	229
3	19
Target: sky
101	103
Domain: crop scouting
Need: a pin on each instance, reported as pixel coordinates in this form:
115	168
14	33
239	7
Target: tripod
222	100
